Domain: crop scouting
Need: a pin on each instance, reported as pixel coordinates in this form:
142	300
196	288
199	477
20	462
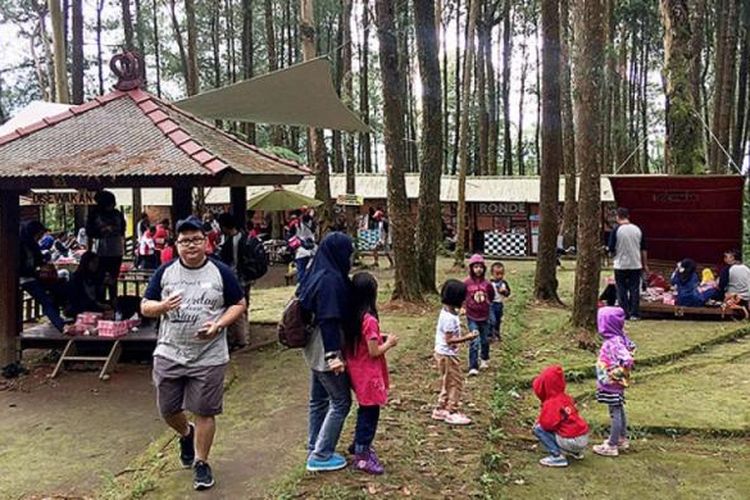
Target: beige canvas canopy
302	94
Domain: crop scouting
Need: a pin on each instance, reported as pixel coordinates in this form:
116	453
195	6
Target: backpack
296	325
253	263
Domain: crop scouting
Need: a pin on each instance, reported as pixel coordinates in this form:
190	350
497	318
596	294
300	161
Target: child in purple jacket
613	376
479	296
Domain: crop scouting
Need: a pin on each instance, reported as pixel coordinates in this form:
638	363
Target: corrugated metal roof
373	187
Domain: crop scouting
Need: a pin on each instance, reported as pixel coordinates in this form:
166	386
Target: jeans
628	283
548	440
619	424
496	318
301	265
330	400
41	294
481	342
367	424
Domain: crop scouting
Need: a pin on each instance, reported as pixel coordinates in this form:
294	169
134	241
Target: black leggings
367	424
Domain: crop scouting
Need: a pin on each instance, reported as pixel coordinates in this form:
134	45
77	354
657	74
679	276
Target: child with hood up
559	427
613	376
479	296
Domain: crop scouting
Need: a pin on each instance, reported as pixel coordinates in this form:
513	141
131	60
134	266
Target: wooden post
137	209
9	243
182	203
238	199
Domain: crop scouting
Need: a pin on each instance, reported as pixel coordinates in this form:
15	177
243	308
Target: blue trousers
330	400
481	343
367	425
42	295
548	440
301	265
496	318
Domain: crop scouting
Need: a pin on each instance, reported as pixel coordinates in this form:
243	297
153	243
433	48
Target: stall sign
62	198
497	208
351	200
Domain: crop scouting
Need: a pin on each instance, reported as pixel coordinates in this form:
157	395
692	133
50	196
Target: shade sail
280	199
697	217
302	94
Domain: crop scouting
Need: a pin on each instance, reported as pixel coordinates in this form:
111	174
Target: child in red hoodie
559	427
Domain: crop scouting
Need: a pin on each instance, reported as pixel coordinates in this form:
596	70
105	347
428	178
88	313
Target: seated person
734	278
42	286
685	280
87	290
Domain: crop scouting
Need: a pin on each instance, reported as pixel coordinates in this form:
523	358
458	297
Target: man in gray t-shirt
196	299
628	245
735	277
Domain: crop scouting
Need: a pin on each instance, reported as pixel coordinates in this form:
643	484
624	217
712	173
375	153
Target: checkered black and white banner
504	244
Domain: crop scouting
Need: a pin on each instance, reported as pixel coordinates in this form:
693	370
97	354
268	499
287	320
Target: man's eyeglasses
191	241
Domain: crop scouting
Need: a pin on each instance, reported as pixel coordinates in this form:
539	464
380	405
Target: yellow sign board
350	200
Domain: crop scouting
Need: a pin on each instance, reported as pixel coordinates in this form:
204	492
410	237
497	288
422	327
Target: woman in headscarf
325	292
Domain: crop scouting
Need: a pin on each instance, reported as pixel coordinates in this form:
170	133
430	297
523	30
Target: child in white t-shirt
447	341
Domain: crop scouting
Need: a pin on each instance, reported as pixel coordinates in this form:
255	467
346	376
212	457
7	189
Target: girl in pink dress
365	350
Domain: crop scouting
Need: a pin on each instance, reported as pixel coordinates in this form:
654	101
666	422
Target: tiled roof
131	133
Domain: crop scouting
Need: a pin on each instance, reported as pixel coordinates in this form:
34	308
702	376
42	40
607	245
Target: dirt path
261	435
59	437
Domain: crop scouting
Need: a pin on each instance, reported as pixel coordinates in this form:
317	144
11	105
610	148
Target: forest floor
688	415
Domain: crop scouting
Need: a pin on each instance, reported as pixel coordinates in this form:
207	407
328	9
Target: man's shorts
197	389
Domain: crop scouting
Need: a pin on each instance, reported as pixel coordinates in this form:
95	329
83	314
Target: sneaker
635	318
576	455
473	372
336	462
457	419
606	450
484	364
438	414
187	448
203	479
623	444
554	461
368	462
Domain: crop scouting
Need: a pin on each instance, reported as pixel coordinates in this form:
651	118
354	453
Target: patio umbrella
279	199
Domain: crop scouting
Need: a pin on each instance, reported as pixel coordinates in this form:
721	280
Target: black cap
192	223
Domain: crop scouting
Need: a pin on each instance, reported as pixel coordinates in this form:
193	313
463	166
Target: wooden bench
45	336
665	311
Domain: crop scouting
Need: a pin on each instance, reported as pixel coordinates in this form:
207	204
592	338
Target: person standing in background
105	226
628	246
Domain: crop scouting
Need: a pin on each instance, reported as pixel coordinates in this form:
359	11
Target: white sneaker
457	419
606	450
473	372
484	364
439	414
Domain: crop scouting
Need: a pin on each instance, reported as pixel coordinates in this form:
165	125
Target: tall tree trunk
481	94
193	86
315	137
155	41
524	72
682	145
364	89
738	143
99	61
538	94
463	149
180	43
570	217
588	63
347	87
723	104
216	41
545	280
127	25
428	221
492	125
697	28
457	89
507	50
139	29
247	48
61	74
230	41
442	20
77	52
406	286
277	133
338	145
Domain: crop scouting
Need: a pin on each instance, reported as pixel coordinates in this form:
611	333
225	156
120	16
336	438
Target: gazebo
125	138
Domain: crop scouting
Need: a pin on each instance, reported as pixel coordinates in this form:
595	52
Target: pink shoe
457	419
606	450
439	414
623	444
